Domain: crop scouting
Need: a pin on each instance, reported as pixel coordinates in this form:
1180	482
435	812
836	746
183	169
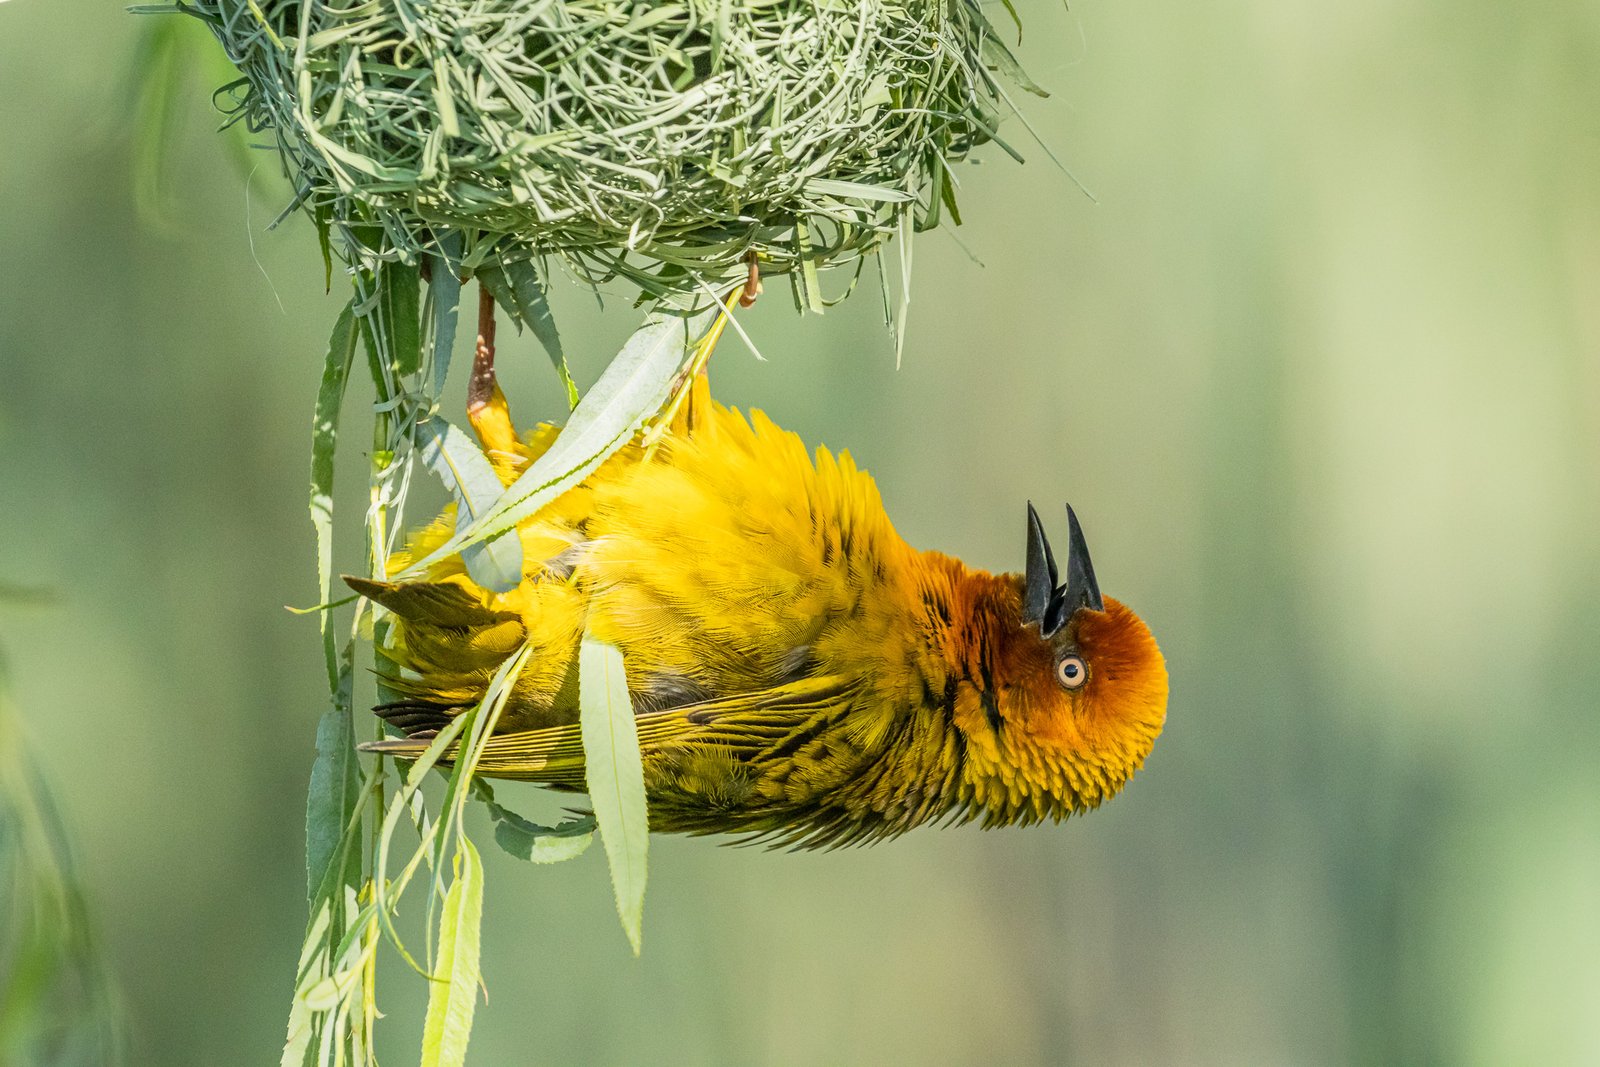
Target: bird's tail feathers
553	757
402	747
420	720
417	716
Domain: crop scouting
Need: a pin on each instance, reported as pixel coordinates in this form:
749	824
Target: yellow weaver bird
798	672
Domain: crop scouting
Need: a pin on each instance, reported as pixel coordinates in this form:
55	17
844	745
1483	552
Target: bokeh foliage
1319	374
56	1005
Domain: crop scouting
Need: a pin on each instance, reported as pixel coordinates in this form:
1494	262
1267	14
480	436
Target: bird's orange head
1079	691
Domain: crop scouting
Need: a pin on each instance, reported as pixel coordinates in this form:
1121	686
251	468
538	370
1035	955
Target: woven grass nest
657	142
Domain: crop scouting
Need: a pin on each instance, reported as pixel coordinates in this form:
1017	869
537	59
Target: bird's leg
486	404
690	398
752	284
698	401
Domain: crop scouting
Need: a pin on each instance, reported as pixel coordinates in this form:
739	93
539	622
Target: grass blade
615	776
455	991
998	55
856	191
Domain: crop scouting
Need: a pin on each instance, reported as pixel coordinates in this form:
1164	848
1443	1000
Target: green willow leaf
634	386
527	840
615	775
324	442
325	245
335	773
446	289
397	317
454	996
332	797
324	439
519	288
313	960
459	463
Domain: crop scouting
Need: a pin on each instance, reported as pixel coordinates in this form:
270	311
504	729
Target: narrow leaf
947	193
454	995
324	439
459	463
936	177
529	841
997	55
519	289
904	234
335	773
810	283
856	191
398	325
633	387
544	848
446	289
334	792
302	1019
325	243
1015	18
615	776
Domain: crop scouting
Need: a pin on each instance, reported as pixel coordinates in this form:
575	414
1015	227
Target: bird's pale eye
1072	672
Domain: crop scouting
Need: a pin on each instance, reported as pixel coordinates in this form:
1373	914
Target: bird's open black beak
1039	582
1044	602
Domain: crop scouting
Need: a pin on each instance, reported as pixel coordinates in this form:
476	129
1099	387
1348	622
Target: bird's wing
744	727
437	603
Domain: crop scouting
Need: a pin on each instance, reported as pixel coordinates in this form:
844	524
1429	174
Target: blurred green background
1318	369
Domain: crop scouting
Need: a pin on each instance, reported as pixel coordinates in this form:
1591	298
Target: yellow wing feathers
716	566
